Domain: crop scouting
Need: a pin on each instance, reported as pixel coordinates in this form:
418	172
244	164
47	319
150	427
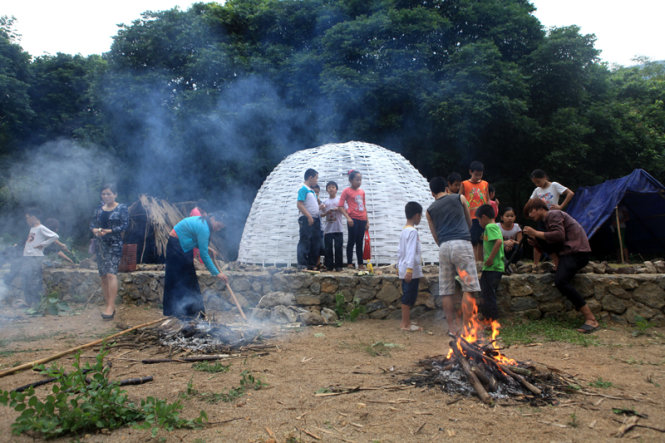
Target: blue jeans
309	244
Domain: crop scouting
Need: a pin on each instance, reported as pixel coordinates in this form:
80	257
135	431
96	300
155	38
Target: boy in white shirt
409	267
333	230
39	238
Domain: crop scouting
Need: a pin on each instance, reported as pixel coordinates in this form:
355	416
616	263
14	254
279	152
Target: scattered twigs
358	389
77	348
523	381
480	390
305	431
41	382
150	361
629	424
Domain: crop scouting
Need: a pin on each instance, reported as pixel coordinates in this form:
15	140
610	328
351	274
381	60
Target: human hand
489	262
223	277
349	221
310	220
408	276
555	207
529	231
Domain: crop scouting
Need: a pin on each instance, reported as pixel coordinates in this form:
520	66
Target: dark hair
316	187
331	183
491	189
476	166
454	177
534	203
310	173
34	211
506	209
110	187
486	210
538	173
202	205
217	215
52	223
352	174
437	185
412	209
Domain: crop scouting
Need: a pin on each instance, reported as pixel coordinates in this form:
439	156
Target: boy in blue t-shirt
493	262
309	243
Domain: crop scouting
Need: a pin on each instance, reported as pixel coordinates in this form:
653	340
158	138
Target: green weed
642	326
348	311
547	329
206	366
247	382
573	423
600	383
87	402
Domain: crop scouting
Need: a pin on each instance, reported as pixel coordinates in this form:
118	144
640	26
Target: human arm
568	196
410	254
432	229
47	237
123	212
349	220
495	250
467	213
64	257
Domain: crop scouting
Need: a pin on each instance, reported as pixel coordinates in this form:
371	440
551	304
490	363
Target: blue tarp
640	194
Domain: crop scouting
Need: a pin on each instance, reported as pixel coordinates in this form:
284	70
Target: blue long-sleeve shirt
193	232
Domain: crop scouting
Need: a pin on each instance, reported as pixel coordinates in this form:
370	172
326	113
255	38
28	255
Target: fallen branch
151	361
305	431
627	426
477	386
77	348
135	381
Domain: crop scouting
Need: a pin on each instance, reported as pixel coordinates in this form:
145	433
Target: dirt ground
312	359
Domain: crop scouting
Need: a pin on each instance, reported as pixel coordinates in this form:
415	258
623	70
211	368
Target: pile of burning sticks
475	364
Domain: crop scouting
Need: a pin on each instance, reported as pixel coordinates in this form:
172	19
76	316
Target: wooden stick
480	390
522	380
135	381
77	348
616	212
233	296
151	361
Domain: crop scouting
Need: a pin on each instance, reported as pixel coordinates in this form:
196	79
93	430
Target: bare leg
448	304
536	256
406	317
467	308
478	252
111	292
105	288
589	318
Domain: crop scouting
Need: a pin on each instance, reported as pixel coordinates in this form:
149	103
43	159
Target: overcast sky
624	29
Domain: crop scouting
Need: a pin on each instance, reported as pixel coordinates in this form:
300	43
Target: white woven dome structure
271	233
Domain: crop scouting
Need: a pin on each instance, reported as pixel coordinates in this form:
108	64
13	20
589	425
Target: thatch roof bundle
150	222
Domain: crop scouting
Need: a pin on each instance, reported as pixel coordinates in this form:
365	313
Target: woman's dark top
116	220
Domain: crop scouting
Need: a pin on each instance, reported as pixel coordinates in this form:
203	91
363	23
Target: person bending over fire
182	294
565	237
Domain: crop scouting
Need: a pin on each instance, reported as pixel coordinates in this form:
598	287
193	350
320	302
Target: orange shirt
476	194
355	200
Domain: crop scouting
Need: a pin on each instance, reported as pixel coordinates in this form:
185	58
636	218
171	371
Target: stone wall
293	296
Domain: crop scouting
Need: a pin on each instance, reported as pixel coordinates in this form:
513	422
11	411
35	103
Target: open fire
475	364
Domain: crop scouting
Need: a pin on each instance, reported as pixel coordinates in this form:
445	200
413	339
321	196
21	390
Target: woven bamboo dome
271	234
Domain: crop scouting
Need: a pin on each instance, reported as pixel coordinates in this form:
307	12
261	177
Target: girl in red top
356	217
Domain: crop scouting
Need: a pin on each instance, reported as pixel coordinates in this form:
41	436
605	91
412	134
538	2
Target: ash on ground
447	375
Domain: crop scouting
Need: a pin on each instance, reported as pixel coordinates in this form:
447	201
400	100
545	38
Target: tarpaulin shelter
642	197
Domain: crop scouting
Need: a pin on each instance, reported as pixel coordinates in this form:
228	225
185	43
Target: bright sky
623	28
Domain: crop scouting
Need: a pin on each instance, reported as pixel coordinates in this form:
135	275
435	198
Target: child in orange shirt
356	217
476	192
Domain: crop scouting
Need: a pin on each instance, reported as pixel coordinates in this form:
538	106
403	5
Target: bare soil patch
370	358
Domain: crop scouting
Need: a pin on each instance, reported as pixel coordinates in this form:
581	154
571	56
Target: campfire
475	364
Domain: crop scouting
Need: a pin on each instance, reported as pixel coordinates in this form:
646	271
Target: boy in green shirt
493	259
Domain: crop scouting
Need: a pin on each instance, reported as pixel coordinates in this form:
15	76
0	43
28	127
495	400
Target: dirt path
315	359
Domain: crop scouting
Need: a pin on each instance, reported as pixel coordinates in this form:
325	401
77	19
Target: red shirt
355	200
476	194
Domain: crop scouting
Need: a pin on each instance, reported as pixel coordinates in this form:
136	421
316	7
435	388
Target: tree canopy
205	102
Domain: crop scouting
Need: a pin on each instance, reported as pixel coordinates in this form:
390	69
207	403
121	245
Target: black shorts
476	232
410	292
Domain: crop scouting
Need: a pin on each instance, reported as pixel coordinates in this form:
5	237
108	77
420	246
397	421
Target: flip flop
586	329
108	317
412	328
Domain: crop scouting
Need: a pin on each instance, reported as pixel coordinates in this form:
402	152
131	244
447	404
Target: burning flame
473	331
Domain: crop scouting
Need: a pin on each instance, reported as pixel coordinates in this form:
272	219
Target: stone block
650	294
594	305
584	285
613	304
388	293
425	299
315	287
257	286
374	305
639	310
629	283
518	287
531	314
283	314
240	284
329	285
276	299
329	316
308	317
616	289
518	304
363	294
307	299
551	307
380	314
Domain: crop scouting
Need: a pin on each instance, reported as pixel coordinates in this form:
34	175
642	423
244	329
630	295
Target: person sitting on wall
564	236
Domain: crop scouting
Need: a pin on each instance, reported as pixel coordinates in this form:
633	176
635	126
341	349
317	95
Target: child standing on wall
493	262
512	235
476	192
409	267
550	193
356	217
309	243
39	237
333	236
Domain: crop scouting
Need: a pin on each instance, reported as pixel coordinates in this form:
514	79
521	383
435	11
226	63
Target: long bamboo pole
72	350
233	296
616	212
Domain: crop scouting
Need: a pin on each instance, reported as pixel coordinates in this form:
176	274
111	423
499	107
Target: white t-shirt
334	219
550	194
510	234
39	237
308	197
409	252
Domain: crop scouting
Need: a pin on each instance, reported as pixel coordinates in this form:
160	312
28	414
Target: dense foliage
205	102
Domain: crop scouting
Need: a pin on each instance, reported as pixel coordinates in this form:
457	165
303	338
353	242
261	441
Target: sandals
108	317
586	329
